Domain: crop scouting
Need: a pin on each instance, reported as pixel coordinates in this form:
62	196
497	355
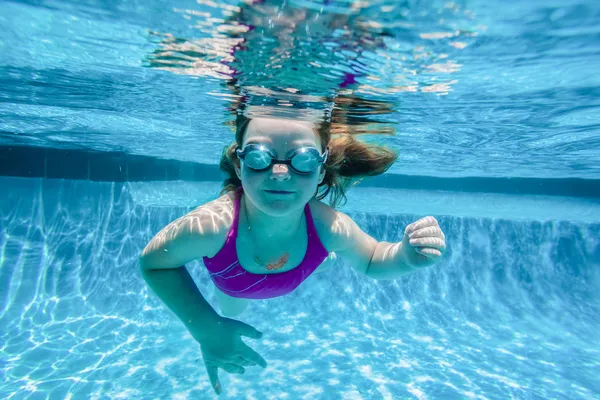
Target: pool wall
77	316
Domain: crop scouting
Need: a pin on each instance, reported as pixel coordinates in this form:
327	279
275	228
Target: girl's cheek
249	174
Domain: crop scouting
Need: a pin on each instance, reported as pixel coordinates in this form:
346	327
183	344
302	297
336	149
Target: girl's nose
280	172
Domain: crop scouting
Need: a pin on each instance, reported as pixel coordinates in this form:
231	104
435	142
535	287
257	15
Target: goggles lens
258	159
303	161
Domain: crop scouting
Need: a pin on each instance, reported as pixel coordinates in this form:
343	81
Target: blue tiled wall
83	164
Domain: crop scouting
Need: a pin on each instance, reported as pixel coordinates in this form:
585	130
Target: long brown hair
349	160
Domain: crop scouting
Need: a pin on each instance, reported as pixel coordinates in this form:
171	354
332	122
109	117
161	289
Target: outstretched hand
223	348
424	243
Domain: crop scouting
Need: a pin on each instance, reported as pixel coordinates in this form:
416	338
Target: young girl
269	231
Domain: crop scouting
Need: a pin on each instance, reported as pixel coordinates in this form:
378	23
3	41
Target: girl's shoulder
332	225
215	219
212	220
199	233
218	212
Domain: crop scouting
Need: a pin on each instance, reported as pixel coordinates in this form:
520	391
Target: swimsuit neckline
236	223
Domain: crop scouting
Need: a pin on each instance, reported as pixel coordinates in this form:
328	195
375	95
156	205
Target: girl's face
279	189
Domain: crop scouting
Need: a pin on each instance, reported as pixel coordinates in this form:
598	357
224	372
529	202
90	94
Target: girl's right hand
222	347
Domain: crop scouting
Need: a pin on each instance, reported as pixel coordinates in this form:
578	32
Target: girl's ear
322	174
238	171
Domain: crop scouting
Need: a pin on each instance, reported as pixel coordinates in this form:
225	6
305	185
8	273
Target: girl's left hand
424	243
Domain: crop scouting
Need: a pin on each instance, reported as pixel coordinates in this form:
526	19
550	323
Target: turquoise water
512	311
486	90
507	90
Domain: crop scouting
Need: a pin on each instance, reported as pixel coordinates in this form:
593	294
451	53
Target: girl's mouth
278	191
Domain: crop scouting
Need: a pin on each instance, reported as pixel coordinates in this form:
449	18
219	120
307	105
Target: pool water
511	312
473	90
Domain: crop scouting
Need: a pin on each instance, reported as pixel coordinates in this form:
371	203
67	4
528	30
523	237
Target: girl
269	231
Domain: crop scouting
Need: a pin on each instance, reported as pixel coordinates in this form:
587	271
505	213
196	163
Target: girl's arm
200	233
422	245
162	263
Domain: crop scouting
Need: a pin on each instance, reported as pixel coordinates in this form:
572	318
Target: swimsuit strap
233	232
310	226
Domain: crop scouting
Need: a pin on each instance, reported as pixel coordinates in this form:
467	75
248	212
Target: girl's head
274	181
347	161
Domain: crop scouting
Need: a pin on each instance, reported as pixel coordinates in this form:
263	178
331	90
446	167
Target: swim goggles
303	161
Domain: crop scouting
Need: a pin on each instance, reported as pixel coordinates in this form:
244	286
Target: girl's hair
349	160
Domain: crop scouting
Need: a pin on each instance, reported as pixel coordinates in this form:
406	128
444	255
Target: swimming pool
512	312
100	148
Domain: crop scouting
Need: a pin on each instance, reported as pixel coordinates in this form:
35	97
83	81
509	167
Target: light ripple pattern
511	312
471	88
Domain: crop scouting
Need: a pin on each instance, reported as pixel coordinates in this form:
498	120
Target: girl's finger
239	360
427	231
433	242
428	252
232	368
213	376
423	222
250	354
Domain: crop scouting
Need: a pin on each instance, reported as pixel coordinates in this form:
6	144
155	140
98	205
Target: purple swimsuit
229	276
